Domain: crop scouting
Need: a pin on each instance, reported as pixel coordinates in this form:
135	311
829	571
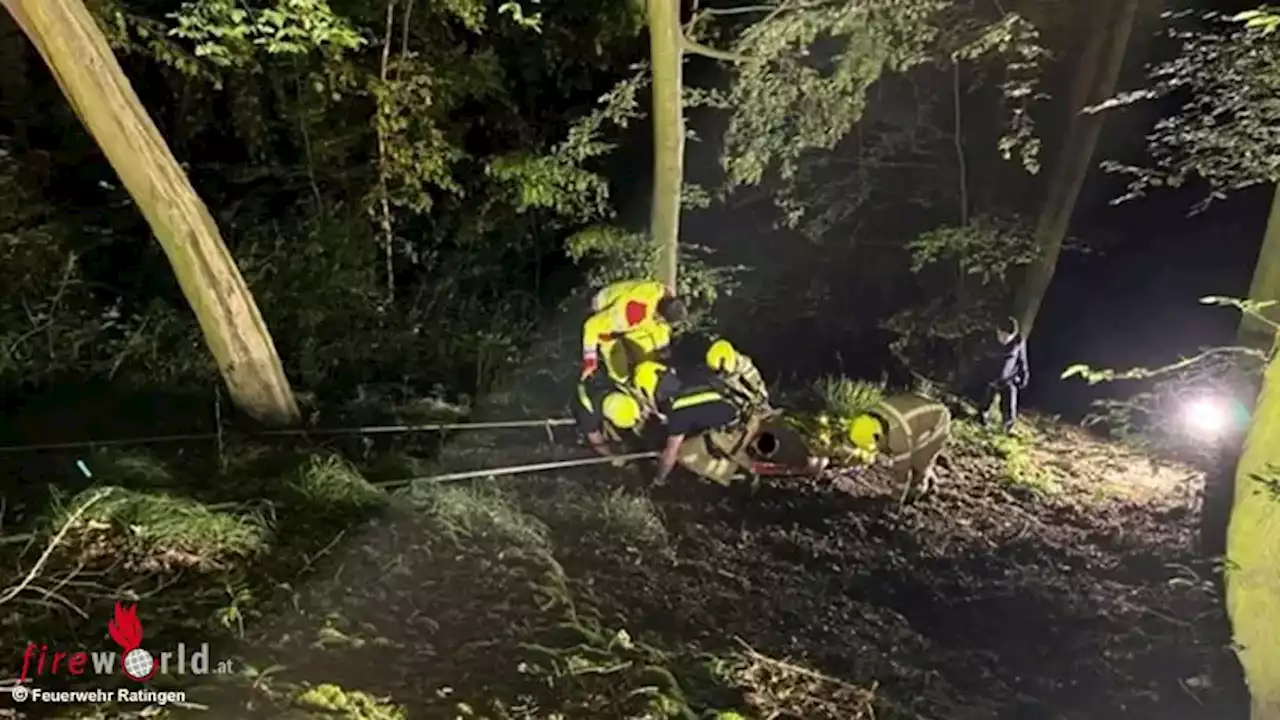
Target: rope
362	430
516	470
377	429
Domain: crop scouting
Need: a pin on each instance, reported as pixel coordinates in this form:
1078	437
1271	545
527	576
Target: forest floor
1051	576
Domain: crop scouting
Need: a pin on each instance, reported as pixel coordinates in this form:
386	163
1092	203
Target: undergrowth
826	411
1014	451
210	548
156	523
843	397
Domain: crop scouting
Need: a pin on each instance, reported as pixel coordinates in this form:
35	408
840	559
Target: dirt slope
1073	590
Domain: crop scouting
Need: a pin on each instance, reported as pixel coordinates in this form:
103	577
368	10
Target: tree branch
738	10
697	48
53	544
776	8
1093	377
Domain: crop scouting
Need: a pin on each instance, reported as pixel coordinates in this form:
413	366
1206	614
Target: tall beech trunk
667	58
1096	77
1253	533
73	46
1253	549
1266	283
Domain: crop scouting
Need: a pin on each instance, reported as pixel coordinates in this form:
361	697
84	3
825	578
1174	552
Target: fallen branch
55	596
1133	607
789	667
311	560
12	592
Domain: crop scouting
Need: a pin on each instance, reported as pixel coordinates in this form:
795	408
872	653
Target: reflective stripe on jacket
912	423
745	382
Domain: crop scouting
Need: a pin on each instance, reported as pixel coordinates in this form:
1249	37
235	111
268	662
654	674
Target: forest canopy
400	183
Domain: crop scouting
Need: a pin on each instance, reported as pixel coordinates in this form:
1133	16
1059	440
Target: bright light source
1206	416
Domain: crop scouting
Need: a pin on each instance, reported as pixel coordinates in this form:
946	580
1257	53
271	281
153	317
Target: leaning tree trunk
666	56
1253	550
1099	70
73	46
1254	332
1253	533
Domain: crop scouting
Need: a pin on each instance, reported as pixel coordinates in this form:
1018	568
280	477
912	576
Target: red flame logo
125	628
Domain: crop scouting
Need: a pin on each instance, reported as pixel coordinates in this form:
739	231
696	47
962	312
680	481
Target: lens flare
1205	416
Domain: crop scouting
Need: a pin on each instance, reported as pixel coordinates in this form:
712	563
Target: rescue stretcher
764	446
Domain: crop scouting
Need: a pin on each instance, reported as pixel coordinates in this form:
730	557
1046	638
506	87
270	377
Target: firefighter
738	373
604	411
631	321
907	433
703	425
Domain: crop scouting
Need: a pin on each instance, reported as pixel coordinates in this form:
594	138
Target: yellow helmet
864	432
646	377
721	356
621	410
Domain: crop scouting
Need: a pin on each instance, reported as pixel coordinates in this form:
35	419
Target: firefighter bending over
907	432
631	322
603	412
694	409
738	372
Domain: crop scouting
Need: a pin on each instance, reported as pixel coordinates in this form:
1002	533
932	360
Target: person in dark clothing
1011	374
688	407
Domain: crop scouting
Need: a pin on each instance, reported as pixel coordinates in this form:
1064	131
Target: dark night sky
1135	302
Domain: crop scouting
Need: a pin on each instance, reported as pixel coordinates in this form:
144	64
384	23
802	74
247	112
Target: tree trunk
666	56
1098	71
1266	283
73	46
1253	549
1253	533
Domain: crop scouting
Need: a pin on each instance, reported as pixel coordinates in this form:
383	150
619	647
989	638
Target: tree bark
1254	332
1253	533
1253	549
1098	71
74	48
666	50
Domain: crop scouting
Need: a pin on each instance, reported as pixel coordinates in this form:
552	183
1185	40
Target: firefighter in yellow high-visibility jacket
906	433
739	374
690	410
607	414
630	322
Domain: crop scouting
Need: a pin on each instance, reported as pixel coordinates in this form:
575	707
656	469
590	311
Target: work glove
589	364
864	457
618	462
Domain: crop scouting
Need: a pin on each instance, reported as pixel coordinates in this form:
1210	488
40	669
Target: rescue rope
360	430
515	470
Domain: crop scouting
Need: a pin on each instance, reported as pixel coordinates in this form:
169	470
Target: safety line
515	470
362	430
